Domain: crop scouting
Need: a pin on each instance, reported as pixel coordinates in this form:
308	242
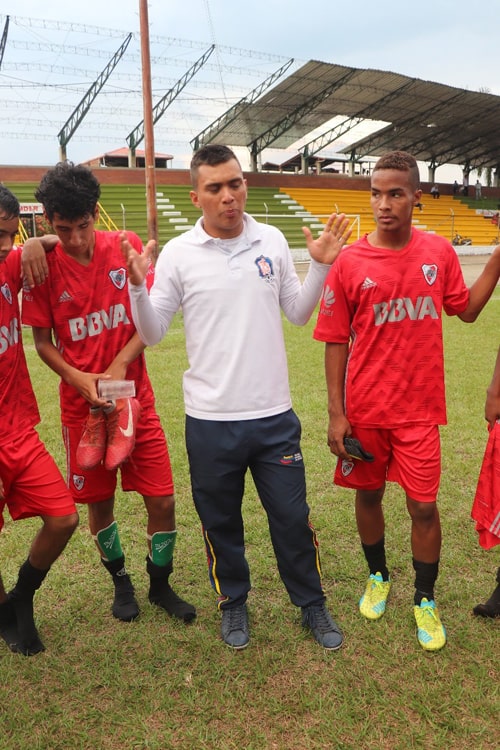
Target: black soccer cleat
356	450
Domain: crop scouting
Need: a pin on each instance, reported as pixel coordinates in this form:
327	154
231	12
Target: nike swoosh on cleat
129	431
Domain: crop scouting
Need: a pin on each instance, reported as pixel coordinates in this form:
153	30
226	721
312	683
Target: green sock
108	540
162	547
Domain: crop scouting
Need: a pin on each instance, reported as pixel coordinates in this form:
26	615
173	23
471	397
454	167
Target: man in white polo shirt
233	277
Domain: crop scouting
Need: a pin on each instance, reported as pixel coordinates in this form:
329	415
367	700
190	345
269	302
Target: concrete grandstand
288	201
300	110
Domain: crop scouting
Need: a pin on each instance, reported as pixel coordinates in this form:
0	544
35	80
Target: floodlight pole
149	148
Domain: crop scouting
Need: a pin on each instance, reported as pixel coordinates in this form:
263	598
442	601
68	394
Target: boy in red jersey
380	317
30	482
491	608
84	301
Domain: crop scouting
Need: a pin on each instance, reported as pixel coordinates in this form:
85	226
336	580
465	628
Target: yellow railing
105	220
21	235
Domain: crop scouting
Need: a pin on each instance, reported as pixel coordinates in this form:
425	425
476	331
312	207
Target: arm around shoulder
33	260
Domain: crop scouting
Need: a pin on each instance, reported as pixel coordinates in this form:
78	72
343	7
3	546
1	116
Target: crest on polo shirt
265	266
78	481
430	273
7	293
118	276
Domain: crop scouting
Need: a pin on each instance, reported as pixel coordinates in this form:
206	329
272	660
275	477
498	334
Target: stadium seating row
447	215
288	209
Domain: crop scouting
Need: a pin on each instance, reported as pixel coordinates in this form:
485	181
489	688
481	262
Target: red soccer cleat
92	446
121	421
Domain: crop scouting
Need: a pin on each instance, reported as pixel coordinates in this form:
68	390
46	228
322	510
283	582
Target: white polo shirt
231	293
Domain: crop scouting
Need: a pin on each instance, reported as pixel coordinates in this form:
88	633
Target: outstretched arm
482	288
492	406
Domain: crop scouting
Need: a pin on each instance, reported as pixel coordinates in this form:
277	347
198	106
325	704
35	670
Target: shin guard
109	543
162	547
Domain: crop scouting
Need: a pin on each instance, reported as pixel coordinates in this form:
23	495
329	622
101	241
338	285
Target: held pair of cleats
109	434
431	634
355	450
236	633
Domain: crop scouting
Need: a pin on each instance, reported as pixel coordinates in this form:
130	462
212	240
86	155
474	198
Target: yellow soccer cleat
430	630
372	603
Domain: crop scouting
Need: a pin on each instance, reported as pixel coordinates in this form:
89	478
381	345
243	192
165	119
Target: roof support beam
310	149
210	133
81	110
265	139
3	41
136	136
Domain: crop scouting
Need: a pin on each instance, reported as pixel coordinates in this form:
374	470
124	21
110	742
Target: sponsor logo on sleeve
327	301
328	296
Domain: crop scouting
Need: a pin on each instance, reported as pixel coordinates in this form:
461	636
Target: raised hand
330	242
137	263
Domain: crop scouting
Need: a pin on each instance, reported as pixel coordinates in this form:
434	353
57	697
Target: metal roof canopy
437	123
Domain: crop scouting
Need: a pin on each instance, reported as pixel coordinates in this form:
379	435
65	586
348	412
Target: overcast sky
447	41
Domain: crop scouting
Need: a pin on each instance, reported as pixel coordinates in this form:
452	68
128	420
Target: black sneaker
234	627
317	618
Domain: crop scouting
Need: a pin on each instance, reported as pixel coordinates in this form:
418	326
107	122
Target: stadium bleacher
448	215
289	209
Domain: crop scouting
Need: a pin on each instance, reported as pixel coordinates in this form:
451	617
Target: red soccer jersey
388	304
18	407
88	309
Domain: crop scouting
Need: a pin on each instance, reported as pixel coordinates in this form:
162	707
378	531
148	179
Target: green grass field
158	684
